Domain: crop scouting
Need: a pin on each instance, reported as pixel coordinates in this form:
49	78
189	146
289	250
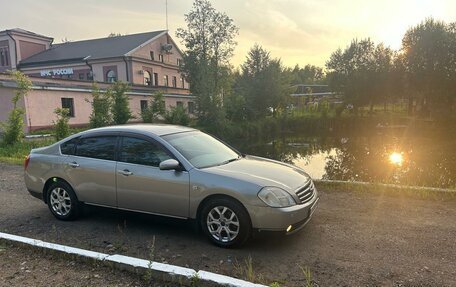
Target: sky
296	31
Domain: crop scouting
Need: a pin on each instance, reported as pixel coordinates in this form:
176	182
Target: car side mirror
169	164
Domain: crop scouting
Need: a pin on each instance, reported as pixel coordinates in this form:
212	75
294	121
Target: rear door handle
125	172
73	164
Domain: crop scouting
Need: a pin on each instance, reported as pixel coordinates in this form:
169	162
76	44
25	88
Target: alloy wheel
223	224
60	201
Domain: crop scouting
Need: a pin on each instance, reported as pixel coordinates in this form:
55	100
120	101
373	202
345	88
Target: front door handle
73	164
125	172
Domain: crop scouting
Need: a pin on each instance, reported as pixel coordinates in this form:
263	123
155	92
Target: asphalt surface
354	238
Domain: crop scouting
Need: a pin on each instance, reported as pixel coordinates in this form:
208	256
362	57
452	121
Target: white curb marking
225	280
172	270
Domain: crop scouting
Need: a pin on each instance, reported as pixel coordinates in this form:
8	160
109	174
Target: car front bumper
286	219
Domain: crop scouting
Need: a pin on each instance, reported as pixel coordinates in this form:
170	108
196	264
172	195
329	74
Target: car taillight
26	162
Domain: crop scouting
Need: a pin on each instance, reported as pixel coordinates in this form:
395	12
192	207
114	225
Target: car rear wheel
225	222
62	201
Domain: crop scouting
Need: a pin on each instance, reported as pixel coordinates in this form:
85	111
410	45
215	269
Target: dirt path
20	266
354	239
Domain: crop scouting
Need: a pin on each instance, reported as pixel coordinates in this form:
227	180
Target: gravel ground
22	266
354	238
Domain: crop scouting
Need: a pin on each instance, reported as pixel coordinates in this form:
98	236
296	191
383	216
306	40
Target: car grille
306	192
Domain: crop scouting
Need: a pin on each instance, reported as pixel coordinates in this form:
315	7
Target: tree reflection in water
426	161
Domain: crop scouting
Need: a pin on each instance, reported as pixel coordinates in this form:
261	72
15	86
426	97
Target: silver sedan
172	171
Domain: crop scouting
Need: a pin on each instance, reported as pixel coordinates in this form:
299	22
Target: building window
81	76
165	81
179	62
111	76
160	57
4	57
152	56
68	103
182	82
179	104
143	104
147	78
90	76
191	107
174	82
156	79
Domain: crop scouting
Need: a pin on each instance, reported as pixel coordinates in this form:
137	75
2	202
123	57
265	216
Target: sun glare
396	158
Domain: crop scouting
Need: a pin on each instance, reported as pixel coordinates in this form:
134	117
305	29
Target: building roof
90	49
26	32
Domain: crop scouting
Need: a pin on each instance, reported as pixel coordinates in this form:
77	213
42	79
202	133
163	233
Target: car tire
225	222
62	201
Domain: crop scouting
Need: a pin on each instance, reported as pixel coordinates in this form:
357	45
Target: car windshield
201	150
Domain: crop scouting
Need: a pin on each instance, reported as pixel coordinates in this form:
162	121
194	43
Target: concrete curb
160	271
397	186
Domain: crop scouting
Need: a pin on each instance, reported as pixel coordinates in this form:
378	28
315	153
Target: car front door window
143	152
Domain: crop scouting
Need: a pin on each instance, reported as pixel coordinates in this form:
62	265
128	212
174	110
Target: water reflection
380	158
396	158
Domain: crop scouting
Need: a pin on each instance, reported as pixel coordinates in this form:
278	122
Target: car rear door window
102	147
69	147
141	151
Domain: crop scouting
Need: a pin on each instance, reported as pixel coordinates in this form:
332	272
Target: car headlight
276	197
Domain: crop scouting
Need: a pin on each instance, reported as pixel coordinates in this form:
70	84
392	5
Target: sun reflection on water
396	158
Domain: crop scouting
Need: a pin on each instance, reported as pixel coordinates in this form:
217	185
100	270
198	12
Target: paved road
354	239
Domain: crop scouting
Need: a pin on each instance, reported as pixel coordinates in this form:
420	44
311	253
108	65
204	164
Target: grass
245	271
148	275
15	154
307	276
412	191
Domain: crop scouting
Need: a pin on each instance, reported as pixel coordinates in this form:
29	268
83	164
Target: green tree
177	116
310	74
14	127
380	76
429	51
156	108
120	108
263	83
361	72
61	126
101	106
209	42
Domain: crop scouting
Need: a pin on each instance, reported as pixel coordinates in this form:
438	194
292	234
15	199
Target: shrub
101	105
62	129
156	108
120	109
14	127
178	116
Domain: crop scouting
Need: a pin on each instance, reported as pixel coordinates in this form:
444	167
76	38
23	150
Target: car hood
263	172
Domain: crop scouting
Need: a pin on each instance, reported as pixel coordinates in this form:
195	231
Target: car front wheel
225	222
62	201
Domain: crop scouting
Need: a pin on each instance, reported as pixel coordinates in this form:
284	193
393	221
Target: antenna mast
166	15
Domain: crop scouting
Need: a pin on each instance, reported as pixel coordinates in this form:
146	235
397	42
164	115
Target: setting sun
396	158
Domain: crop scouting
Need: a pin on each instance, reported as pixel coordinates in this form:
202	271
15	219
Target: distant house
306	94
62	73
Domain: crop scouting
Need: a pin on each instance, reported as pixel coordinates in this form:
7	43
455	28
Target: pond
383	158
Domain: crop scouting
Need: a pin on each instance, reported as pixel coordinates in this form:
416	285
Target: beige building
62	74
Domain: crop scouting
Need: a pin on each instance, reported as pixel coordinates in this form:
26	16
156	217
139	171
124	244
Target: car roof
157	129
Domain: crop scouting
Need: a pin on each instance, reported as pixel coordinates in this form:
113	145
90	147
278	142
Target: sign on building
56	72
